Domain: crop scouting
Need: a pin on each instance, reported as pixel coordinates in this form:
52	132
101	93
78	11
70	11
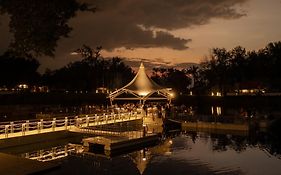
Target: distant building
250	88
5	90
102	90
39	89
24	88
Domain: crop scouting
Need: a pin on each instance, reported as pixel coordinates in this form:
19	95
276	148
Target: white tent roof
142	87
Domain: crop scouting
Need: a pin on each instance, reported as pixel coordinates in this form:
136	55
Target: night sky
170	32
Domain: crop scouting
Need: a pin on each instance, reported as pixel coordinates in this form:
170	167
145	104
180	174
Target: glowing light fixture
23	86
172	95
143	93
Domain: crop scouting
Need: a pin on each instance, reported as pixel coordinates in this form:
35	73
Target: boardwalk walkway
32	127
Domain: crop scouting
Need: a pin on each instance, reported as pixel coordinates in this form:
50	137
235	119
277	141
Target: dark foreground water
185	153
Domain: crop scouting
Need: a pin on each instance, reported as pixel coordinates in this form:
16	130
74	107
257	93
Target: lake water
183	153
253	153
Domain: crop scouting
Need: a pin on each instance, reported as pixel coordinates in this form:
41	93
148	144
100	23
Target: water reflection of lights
218	94
53	153
216	110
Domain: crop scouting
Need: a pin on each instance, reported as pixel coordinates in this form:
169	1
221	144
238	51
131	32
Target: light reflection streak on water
201	153
54	153
216	110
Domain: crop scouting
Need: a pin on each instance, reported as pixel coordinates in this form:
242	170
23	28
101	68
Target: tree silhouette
90	73
15	69
227	69
199	83
173	78
38	25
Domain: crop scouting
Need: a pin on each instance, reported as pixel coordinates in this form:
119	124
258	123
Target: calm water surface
186	153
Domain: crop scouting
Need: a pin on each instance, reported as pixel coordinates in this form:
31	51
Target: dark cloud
146	23
113	32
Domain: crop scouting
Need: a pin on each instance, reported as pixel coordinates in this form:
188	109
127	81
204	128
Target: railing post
12	127
39	126
40	154
106	119
23	129
98	117
65	122
27	125
6	130
54	124
27	155
76	121
87	120
65	150
114	115
53	152
42	124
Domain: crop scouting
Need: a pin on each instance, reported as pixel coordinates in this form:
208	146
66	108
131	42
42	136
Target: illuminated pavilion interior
142	88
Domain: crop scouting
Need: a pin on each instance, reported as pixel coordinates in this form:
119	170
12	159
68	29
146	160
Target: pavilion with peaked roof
142	88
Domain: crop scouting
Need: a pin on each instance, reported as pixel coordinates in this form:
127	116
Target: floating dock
111	146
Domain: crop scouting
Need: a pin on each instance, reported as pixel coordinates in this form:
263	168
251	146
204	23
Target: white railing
28	127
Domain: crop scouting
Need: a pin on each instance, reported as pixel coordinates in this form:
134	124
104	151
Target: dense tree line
90	73
225	70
